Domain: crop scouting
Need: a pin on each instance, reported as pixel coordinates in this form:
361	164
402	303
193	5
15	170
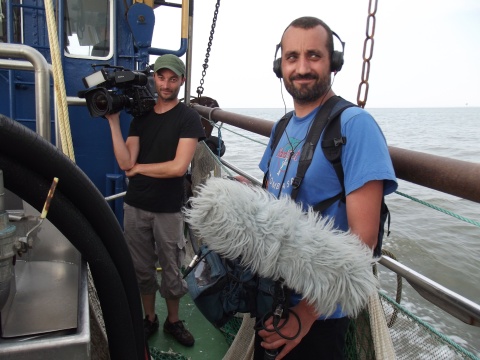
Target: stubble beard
172	97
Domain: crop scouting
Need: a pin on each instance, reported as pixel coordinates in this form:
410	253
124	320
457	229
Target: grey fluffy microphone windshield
276	239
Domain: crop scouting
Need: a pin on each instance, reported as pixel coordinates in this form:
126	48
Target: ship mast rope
102	324
59	84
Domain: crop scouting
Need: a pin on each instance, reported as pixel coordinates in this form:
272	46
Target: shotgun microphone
276	239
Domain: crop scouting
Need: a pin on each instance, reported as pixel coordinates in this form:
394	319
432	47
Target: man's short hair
309	22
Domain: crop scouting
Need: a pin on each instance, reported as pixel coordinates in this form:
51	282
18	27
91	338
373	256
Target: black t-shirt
159	135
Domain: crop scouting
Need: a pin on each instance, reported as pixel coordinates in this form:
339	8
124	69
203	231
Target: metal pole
453	303
42	83
250	123
454	177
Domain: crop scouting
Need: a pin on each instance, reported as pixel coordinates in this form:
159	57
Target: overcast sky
426	52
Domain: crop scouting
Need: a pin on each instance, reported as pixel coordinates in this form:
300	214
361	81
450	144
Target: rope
459	217
59	84
97	327
382	340
219	131
219	148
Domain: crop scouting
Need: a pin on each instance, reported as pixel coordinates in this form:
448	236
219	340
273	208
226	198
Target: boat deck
210	342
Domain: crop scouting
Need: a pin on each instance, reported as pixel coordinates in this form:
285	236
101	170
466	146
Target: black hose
72	224
21	147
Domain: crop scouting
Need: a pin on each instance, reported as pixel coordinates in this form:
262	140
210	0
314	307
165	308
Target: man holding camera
155	157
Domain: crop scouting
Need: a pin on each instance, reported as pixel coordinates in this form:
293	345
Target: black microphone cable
283	98
280	311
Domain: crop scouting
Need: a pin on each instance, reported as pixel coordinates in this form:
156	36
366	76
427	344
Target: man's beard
173	95
308	93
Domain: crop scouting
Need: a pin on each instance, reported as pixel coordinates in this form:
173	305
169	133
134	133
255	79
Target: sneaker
178	331
149	327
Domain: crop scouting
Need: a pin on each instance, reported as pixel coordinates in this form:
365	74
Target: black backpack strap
319	122
279	129
332	143
332	148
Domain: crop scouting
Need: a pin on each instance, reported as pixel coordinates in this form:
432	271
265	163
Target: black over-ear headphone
336	61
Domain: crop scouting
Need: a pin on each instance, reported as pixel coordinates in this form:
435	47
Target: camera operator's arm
169	169
126	153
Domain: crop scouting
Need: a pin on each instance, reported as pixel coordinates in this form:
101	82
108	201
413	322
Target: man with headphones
307	61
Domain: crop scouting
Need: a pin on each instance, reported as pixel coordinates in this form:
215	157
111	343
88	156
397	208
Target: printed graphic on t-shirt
283	162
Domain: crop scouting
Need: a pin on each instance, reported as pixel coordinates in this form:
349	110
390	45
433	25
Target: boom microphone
276	239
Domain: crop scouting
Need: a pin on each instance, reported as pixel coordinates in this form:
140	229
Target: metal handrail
42	81
454	177
449	301
25	65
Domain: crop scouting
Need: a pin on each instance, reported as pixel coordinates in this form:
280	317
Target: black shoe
150	326
178	331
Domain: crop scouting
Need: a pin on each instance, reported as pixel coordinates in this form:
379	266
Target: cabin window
89	28
17	33
3	23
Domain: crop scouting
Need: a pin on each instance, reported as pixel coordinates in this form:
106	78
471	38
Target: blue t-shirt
365	157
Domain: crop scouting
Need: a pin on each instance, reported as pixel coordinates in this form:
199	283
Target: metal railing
35	61
435	172
427	170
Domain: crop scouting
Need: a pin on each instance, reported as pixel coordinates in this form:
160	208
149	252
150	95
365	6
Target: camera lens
100	102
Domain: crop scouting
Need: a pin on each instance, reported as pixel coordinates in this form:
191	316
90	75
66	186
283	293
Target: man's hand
132	172
242	179
113	118
272	340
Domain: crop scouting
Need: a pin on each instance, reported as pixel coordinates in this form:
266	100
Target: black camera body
114	88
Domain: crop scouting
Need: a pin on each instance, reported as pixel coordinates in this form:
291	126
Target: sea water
434	244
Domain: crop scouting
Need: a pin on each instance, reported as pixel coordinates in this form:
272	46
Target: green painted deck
210	342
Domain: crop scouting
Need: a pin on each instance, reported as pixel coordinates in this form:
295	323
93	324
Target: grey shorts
153	237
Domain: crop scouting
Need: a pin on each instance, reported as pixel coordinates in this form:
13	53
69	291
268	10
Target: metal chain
367	45
209	47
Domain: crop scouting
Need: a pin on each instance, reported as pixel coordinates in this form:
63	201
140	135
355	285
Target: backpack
220	288
327	120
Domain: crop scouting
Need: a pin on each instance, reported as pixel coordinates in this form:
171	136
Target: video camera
114	88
